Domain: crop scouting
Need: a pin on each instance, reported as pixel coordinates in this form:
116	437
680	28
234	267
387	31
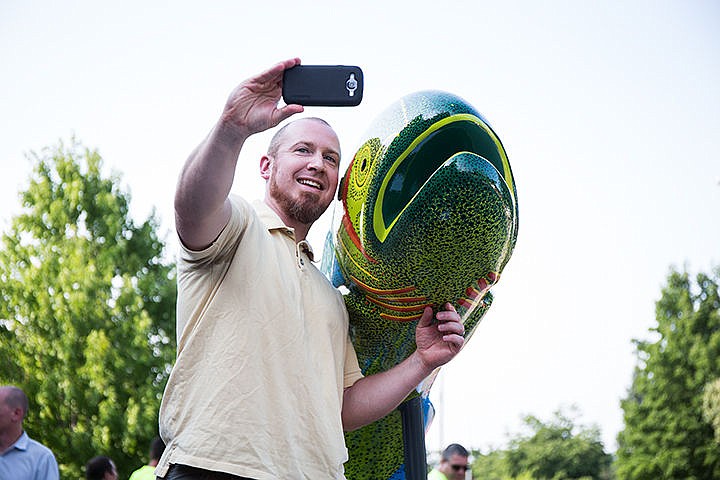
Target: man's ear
18	414
265	167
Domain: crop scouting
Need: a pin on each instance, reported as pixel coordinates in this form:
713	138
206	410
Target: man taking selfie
266	378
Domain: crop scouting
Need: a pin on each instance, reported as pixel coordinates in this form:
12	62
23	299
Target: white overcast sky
609	111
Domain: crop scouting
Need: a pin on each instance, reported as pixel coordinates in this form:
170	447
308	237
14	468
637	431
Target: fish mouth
425	155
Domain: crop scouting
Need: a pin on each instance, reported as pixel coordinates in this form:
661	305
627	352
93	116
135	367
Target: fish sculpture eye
363	160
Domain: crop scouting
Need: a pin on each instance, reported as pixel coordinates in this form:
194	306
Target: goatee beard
305	208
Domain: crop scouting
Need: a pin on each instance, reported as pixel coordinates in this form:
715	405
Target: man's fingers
449	314
449	321
456	340
451	326
286	112
427	317
276	71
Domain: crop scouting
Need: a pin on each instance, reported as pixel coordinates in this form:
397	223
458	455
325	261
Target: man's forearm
201	208
373	397
207	176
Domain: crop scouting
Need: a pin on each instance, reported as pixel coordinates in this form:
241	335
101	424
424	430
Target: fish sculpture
428	214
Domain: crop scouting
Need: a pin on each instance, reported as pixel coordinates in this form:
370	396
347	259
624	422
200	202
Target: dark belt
185	472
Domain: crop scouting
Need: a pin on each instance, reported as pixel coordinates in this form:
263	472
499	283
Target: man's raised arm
202	208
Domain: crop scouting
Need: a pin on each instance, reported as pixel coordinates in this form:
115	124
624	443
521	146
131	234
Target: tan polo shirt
263	357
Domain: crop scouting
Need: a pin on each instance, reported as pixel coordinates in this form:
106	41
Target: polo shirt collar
22	442
272	221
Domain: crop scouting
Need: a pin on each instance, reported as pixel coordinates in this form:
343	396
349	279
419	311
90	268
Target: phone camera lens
351	85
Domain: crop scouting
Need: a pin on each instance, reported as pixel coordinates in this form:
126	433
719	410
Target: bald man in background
21	457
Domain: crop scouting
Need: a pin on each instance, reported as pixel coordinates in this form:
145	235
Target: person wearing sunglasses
453	464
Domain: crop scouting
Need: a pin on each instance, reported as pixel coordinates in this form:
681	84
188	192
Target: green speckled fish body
429	216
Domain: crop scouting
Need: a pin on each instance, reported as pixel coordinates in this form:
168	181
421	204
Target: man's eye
331	159
302	150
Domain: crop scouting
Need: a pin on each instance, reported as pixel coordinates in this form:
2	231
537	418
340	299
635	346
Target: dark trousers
183	472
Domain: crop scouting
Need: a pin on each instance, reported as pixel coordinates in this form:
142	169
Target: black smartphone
323	85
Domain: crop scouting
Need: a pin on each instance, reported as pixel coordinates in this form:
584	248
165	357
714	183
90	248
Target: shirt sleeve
47	468
352	369
223	248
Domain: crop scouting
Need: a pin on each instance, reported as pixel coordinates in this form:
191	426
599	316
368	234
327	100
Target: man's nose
316	162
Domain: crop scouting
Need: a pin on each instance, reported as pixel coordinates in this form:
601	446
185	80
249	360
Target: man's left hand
438	342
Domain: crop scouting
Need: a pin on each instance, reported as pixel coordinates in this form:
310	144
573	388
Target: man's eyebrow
303	143
313	146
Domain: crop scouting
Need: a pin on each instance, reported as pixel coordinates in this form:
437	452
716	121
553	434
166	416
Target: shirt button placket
299	255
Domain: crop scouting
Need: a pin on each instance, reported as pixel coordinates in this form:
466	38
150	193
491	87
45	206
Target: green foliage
665	434
711	406
491	466
556	450
87	313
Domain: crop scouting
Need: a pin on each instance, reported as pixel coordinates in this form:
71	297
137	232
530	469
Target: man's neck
301	230
8	438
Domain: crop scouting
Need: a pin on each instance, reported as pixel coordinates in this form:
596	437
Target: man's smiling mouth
310	183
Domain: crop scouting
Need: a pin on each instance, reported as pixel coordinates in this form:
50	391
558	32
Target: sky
609	113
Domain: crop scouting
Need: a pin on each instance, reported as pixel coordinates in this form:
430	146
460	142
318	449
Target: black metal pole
413	439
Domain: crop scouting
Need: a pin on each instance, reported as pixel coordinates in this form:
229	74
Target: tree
556	450
87	313
491	466
711	406
665	434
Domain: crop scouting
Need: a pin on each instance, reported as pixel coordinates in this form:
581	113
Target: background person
147	472
101	468
453	464
21	457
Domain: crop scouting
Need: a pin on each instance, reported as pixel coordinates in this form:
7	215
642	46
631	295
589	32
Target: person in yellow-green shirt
147	472
453	464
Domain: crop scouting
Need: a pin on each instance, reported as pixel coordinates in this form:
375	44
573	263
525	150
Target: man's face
303	174
112	474
8	415
5	412
454	468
